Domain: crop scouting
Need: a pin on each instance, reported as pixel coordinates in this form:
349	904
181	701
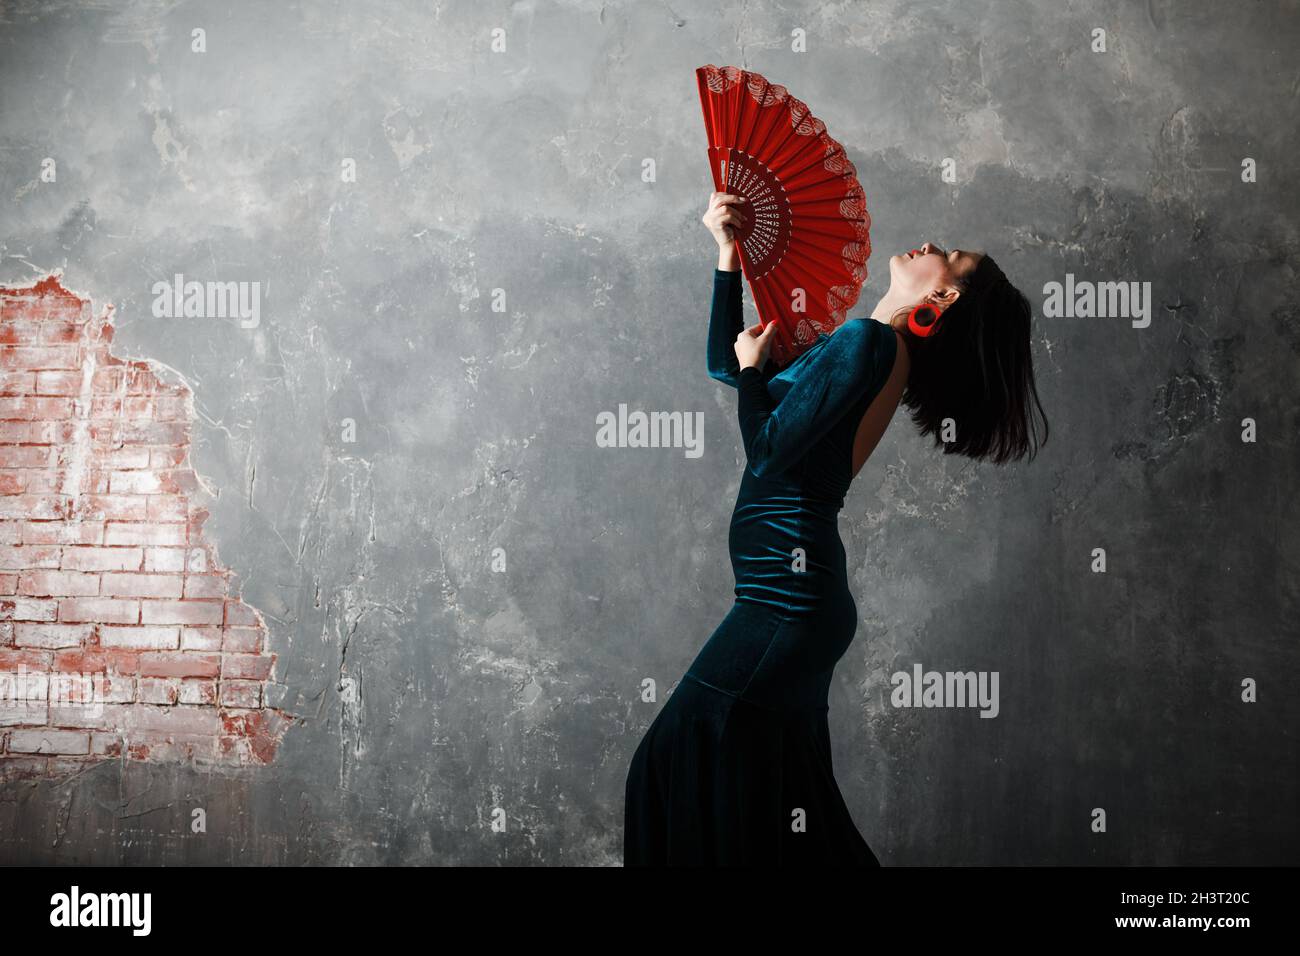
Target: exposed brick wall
119	636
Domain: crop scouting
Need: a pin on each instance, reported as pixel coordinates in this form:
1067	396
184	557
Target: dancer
736	767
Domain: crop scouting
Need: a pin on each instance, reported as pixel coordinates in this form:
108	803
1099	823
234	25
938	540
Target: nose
928	248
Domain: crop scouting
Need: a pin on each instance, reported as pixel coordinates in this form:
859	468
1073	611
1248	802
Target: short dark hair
977	368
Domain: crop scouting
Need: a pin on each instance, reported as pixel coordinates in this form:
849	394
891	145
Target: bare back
881	410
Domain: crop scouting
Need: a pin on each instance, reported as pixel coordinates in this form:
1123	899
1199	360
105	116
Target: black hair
976	368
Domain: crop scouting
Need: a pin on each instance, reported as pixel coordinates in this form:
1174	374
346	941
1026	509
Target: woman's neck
886	308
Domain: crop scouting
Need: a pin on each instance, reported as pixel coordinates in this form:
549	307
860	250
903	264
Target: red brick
198	692
126	457
147	637
239	614
38	357
42	300
245	640
45	482
141	585
158	690
25	685
108	379
33	506
168	508
246	666
136	483
76	531
150	407
18	608
75	689
15	331
253	735
241	693
77	558
206	585
181	719
106	406
114	507
16	383
48	741
117	689
167	456
52	433
175	748
57	383
24	679
165	560
202	639
18	433
28	456
24	659
58	583
23	557
97	660
87	717
52	635
31	408
142	433
181	612
103	610
28	713
145	533
58	332
180	480
180	664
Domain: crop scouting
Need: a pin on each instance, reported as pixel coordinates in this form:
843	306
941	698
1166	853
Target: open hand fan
805	245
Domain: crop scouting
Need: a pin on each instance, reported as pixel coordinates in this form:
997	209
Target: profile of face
930	274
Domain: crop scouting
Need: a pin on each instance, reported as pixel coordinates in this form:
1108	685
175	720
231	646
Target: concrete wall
426	690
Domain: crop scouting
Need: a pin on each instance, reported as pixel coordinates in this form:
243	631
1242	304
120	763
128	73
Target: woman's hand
720	217
752	345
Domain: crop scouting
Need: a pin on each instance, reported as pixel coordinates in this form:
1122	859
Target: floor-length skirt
735	769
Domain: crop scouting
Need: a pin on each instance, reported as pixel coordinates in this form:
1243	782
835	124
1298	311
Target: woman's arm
777	436
721	217
725	323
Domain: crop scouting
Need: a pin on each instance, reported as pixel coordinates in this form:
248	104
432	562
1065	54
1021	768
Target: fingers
725	214
718	199
730	222
758	331
722	217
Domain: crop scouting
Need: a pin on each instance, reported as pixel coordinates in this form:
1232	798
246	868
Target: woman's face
916	274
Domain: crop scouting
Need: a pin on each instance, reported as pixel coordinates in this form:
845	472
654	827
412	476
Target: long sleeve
726	321
778	435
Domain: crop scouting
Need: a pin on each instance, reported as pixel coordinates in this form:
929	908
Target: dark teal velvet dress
735	769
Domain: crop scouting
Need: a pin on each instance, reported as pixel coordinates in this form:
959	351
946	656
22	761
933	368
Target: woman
736	767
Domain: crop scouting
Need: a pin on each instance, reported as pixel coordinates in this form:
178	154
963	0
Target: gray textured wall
430	689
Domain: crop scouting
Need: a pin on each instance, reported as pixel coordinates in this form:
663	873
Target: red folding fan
805	245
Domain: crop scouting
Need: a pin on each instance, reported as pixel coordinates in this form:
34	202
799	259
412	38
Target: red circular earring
929	327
